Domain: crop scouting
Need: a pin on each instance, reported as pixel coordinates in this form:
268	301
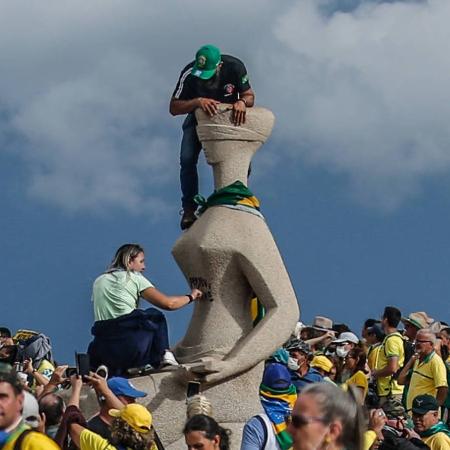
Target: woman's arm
166	302
75	430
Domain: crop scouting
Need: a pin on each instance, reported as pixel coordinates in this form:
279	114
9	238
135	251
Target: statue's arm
265	272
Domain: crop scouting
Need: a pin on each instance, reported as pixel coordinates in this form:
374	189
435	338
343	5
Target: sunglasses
299	420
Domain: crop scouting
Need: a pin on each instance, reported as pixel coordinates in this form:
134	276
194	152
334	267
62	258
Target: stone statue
229	253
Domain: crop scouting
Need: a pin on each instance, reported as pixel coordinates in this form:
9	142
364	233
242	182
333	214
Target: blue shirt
312	376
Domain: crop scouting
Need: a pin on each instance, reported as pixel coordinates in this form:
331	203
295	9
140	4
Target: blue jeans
190	149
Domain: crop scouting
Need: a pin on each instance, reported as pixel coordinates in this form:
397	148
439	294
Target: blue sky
353	182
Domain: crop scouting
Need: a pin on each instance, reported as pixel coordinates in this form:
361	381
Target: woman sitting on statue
124	336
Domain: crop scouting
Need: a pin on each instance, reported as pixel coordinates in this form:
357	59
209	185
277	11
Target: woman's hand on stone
196	294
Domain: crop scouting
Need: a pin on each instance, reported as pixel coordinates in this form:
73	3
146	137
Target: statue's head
225	142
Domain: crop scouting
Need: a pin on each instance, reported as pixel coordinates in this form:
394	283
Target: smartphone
193	388
83	363
71	371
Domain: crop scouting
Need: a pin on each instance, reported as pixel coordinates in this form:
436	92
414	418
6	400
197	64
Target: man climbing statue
204	83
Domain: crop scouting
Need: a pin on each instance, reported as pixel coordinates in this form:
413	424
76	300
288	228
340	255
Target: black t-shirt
97	425
224	87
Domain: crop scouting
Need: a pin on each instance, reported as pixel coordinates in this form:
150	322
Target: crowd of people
326	388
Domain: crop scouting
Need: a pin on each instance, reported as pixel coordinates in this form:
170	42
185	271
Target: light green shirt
117	293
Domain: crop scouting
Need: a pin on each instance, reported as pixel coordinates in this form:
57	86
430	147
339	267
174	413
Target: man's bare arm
178	107
441	394
390	369
249	97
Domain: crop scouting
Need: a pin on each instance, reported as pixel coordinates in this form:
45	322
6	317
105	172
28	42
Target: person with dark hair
203	432
51	408
298	364
355	364
5	335
140	337
326	417
14	433
131	427
211	79
390	357
367	324
374	338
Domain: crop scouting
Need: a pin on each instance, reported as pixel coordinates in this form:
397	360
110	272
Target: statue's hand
213	370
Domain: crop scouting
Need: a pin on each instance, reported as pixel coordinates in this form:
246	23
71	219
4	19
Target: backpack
408	351
19	440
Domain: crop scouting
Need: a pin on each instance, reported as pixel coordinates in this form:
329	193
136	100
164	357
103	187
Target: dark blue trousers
133	340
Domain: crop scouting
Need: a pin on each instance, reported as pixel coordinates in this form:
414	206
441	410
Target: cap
424	403
30	411
393	408
419	319
280	356
121	386
322	362
206	61
347	336
297	344
276	376
135	415
376	330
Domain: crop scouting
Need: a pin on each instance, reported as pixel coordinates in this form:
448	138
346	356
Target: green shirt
117	293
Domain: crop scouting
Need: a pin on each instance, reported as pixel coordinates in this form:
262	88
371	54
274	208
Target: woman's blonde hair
124	255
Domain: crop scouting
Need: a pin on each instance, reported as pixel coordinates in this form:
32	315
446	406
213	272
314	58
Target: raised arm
167	302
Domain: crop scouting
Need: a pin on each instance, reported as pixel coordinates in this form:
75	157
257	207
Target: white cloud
367	93
86	86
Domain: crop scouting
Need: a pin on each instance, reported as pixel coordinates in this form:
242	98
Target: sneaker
169	359
188	218
102	371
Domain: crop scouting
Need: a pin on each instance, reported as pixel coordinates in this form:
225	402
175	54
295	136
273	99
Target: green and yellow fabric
234	194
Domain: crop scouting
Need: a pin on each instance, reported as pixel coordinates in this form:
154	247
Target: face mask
292	364
341	352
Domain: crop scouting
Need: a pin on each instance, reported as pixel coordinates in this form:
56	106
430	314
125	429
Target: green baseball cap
206	61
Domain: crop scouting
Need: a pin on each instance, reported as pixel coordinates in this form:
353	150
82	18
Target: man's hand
28	366
58	376
98	383
208	105
239	110
196	293
42	422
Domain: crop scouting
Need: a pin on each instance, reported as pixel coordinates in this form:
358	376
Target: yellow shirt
372	356
392	346
359	379
92	441
46	369
33	441
439	441
426	377
369	438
